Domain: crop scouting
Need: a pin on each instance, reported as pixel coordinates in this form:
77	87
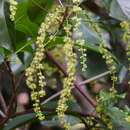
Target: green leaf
89	46
88	34
94	60
22	22
39	7
57	41
18	121
50	123
23	119
107	3
118	118
120	9
56	121
4	35
25	46
4	53
125	7
54	104
121	96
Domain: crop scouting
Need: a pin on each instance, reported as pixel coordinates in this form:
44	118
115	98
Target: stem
13	101
81	83
86	96
77	86
95	78
60	3
2	114
58	65
2	102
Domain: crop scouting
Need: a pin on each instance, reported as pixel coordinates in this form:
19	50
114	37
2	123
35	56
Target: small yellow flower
13	9
128	119
125	25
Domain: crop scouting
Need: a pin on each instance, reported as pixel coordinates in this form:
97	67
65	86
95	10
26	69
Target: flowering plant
57	44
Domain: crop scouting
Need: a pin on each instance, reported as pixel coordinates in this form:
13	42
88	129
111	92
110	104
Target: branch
77	86
60	3
2	102
12	79
2	114
86	96
95	78
58	65
81	83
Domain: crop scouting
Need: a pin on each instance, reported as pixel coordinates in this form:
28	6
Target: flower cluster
91	23
103	47
109	60
83	56
35	78
13	9
128	118
126	37
79	41
76	1
68	81
104	99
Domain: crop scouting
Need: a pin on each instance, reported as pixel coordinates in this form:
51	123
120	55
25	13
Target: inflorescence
13	9
36	79
126	37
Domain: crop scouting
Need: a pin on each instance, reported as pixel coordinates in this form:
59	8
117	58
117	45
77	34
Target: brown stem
58	65
77	86
86	96
60	3
13	102
81	83
2	102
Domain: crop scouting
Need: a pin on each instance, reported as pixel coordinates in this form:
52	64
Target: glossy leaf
22	22
19	121
23	119
120	9
4	35
39	7
118	119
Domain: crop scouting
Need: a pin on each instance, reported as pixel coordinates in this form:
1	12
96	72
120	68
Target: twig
39	6
61	68
81	83
95	78
86	96
2	114
2	102
77	86
12	78
59	1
